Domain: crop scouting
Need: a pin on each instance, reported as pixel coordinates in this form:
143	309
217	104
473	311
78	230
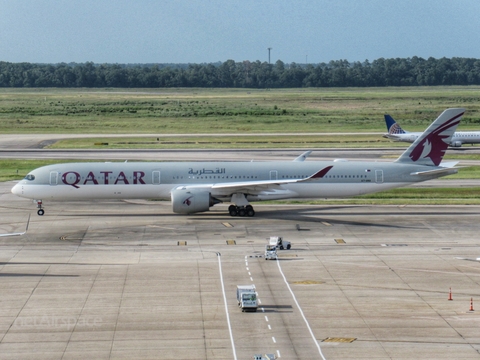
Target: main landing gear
241	210
242	207
40	211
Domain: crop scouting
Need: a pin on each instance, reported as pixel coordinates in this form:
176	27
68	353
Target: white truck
247	297
264	357
279	242
270	252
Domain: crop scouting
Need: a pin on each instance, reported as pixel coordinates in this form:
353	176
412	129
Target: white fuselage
459	138
87	181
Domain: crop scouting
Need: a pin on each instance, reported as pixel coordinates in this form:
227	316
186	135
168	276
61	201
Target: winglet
430	147
319	174
303	156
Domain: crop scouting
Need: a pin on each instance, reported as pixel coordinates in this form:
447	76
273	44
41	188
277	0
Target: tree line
414	71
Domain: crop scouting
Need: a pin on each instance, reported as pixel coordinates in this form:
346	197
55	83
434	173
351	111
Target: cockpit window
30	177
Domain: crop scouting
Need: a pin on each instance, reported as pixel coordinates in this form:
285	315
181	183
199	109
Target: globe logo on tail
396	129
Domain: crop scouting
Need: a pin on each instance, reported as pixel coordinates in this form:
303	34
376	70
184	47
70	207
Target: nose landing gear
40	211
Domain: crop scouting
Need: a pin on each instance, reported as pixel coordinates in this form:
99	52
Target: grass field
240	111
201	111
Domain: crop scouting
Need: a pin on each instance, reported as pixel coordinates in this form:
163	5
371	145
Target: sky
207	31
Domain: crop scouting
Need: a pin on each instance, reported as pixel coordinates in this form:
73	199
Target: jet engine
456	144
189	201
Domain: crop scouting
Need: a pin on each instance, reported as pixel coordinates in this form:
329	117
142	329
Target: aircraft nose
17	189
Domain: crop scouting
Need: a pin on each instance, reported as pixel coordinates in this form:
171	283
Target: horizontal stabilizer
445	171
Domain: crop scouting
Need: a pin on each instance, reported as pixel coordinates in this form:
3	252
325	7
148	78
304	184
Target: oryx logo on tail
430	147
434	144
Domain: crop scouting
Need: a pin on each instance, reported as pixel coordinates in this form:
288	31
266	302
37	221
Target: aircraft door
273	174
53	178
155	177
379	176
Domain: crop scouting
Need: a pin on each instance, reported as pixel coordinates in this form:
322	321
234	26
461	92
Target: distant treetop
413	71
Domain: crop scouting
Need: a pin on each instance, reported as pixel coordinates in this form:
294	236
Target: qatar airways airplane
396	133
196	186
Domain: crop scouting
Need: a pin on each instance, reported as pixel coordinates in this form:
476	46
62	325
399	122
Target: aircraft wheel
232	210
250	212
41	212
242	212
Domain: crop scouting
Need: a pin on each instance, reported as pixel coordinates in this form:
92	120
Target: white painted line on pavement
301	312
226	307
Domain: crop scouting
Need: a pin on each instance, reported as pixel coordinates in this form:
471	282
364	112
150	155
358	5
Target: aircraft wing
262	185
268	183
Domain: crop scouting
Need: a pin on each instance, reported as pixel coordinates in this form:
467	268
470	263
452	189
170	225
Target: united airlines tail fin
430	147
392	126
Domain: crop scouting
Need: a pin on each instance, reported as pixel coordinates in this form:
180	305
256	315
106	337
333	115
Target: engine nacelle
456	144
189	201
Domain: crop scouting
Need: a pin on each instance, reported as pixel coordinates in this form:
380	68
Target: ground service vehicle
270	252
279	242
264	357
247	297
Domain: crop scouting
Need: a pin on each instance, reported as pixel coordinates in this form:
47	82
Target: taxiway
122	280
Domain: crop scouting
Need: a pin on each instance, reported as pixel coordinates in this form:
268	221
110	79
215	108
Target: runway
122	280
32	146
38	141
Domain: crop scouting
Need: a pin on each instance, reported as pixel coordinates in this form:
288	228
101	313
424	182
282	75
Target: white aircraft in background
396	133
196	186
